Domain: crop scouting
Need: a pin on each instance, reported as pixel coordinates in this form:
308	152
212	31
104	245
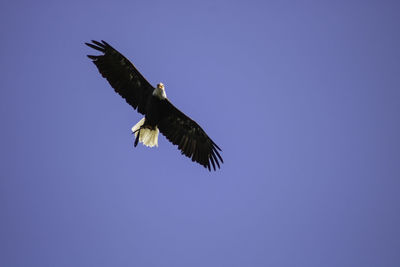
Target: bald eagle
160	115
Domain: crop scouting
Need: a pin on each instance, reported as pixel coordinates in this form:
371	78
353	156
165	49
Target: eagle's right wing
122	75
190	138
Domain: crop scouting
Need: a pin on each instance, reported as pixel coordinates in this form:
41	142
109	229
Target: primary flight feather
159	113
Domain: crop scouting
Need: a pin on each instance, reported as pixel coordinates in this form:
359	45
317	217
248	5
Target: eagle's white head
161	86
160	91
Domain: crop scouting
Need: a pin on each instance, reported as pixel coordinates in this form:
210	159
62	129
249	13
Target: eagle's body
146	130
160	114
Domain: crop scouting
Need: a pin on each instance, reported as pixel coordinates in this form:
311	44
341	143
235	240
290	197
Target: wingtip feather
219	156
212	162
105	43
98	43
101	49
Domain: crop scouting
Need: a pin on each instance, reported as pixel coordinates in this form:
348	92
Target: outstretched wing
122	75
191	139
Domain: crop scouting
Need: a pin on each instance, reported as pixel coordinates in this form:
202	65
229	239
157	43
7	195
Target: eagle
160	115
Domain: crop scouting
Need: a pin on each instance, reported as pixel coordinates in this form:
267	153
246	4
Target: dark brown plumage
159	112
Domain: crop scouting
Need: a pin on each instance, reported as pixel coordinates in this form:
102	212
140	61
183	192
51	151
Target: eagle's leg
143	127
137	137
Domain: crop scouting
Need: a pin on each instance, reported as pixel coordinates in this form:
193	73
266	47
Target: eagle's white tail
147	136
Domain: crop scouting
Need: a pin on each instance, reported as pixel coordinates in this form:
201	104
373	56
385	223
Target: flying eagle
159	113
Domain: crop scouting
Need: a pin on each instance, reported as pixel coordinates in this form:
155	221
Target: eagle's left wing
122	75
191	139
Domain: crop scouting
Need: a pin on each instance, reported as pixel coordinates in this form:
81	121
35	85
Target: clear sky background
302	96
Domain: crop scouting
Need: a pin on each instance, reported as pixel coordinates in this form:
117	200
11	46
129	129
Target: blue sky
303	97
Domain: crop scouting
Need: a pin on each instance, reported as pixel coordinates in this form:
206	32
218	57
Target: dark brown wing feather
122	75
189	136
